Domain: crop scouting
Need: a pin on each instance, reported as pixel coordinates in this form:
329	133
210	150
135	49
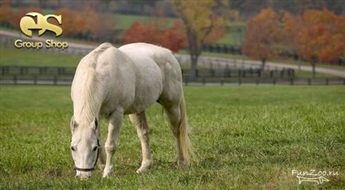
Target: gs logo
27	24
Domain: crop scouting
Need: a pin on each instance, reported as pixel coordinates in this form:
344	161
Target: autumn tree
73	23
263	36
199	19
85	23
316	36
150	32
17	16
6	12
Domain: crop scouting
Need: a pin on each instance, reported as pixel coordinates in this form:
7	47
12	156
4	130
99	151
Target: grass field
245	137
19	57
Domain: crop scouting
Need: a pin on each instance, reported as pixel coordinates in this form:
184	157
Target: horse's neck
88	102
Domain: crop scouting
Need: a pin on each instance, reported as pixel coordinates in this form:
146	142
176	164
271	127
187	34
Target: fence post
21	70
274	81
55	80
239	77
291	81
203	81
282	73
35	79
309	81
327	82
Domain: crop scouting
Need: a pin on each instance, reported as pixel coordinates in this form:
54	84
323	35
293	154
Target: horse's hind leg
139	120
176	115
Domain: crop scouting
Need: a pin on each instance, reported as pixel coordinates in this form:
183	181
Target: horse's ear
73	124
95	123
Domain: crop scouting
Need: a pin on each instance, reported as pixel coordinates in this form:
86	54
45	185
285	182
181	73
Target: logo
27	24
313	176
34	21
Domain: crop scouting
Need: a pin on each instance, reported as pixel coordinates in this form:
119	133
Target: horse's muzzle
83	175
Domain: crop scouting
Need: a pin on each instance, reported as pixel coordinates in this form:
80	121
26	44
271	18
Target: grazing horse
113	82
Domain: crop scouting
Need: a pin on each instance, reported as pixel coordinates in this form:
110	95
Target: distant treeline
245	8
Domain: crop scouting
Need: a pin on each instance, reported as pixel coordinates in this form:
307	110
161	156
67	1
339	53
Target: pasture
245	138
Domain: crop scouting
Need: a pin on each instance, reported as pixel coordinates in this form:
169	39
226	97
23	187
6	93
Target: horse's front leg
139	120
114	128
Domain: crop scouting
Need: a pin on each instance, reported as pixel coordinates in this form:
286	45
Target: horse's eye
72	148
95	148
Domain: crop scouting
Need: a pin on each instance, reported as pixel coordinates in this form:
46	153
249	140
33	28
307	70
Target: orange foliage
93	25
17	16
215	35
263	35
6	13
86	23
317	35
73	23
171	38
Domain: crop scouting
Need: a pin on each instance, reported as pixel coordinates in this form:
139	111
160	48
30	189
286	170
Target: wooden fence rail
201	73
36	75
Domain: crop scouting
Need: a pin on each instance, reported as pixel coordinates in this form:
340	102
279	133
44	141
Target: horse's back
163	58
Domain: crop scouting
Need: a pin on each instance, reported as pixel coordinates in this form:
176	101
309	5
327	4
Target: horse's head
84	147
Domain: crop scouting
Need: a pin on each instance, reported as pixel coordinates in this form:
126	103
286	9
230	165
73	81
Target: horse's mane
92	91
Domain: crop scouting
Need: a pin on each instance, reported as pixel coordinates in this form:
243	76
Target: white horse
113	82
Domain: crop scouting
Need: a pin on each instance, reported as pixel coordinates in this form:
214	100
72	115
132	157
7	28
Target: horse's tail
186	146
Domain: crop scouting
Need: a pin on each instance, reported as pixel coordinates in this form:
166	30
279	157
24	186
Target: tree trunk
193	66
314	60
263	61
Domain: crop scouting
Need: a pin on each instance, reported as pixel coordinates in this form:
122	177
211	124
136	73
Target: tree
86	24
17	16
171	38
6	13
73	23
199	19
263	36
317	36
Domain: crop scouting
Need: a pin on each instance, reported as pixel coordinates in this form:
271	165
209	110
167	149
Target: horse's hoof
107	172
182	164
106	175
144	167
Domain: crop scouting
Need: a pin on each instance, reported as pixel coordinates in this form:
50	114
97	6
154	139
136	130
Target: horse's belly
148	89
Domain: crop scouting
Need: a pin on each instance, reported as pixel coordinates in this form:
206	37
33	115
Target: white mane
88	99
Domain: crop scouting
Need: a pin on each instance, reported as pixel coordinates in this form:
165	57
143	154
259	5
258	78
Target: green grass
245	137
18	57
